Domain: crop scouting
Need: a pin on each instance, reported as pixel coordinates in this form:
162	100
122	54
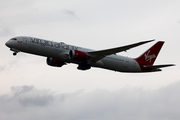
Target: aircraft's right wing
97	55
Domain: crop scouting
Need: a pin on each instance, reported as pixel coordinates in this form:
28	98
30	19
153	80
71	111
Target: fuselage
60	51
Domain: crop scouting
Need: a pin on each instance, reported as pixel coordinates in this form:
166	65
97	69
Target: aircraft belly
115	65
121	64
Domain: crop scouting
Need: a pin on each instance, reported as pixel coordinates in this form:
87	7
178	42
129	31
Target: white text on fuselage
53	44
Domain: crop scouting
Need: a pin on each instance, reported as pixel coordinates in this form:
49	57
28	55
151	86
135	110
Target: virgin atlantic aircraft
59	54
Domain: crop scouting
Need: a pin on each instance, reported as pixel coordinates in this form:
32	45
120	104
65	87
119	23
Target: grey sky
28	102
95	25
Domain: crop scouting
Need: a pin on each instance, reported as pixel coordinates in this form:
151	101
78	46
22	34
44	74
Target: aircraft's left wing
97	55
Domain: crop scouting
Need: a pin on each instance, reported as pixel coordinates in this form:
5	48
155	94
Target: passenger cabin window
13	39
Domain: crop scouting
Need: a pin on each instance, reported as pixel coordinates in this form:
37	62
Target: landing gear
14	53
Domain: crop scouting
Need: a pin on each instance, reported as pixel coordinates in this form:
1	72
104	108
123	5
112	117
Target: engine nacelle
55	62
77	55
84	66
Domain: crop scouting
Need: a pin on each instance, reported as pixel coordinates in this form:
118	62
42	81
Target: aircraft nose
10	43
7	44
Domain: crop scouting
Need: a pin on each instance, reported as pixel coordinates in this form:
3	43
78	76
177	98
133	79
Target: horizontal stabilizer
159	66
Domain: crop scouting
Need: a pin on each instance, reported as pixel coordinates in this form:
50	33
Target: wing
97	55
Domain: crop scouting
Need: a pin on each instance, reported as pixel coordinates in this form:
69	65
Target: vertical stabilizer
148	58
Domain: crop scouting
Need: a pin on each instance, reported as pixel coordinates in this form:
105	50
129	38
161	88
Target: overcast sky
30	89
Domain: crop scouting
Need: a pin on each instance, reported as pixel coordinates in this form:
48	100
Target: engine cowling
54	62
84	66
77	55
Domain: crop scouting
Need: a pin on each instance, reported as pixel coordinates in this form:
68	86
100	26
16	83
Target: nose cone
10	43
7	43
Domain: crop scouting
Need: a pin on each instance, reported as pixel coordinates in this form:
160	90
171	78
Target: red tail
150	55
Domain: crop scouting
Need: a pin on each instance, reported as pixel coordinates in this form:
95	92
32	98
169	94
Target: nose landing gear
15	53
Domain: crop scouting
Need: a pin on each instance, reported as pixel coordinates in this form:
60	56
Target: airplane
59	54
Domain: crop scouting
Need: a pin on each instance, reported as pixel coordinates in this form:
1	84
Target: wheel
14	54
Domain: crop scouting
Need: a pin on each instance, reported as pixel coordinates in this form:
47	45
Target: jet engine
80	56
77	55
84	66
54	62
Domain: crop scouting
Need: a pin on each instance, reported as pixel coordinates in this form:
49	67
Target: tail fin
148	58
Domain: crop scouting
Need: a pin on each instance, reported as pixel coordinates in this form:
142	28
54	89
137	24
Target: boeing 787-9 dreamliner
59	54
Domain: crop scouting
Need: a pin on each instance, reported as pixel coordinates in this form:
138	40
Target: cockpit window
13	39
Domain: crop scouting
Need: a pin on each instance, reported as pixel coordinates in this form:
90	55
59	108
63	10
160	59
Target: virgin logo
149	57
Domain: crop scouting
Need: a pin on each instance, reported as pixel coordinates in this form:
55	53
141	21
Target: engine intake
54	62
77	55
